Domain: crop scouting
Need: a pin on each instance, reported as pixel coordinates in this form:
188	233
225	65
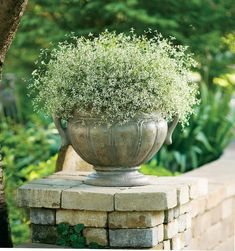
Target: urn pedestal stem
118	177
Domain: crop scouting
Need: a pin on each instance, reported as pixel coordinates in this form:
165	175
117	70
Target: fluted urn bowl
116	151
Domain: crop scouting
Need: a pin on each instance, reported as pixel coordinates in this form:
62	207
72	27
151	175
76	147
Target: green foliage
117	77
152	168
19	217
26	150
72	236
210	130
199	24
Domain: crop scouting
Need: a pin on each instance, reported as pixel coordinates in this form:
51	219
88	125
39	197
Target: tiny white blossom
116	77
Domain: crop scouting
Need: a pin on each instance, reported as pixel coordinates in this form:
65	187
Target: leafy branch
72	236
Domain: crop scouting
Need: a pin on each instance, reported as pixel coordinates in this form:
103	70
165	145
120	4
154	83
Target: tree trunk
5	236
10	14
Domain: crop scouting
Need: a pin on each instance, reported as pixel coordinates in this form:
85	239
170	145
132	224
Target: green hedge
209	132
26	150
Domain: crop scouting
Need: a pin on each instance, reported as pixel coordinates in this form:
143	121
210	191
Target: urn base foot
119	177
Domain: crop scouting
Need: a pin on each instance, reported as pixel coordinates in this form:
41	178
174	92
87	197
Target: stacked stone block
157	216
176	213
213	220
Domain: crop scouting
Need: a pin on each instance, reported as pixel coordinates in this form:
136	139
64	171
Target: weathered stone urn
116	151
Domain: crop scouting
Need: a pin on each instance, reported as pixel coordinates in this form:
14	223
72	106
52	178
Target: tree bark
10	14
5	236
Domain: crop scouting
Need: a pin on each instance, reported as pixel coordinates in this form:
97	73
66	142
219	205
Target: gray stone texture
44	234
97	235
42	216
135	219
88	218
87	197
148	198
133	238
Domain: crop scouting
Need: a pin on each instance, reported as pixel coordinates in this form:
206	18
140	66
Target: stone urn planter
117	92
116	151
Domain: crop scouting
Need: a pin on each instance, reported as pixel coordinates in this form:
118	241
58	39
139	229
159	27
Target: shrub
116	77
210	130
26	150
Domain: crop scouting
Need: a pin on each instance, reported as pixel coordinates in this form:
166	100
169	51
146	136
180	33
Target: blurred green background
30	142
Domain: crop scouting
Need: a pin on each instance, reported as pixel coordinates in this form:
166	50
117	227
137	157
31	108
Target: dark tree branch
5	236
10	14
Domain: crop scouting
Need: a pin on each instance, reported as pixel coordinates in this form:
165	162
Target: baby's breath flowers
116	77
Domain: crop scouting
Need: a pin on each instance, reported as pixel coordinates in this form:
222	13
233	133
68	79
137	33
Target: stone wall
213	215
192	211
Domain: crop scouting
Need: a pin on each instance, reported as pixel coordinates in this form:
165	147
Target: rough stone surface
215	196
199	224
211	236
194	244
227	208
88	218
183	240
170	229
227	245
42	216
186	208
176	243
230	187
89	198
198	186
201	205
44	234
228	226
184	222
169	215
198	206
216	214
148	198
72	162
35	195
160	233
187	237
176	212
57	182
135	219
182	194
97	235
167	245
135	238
159	246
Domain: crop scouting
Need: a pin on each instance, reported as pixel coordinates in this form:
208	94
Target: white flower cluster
116	77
